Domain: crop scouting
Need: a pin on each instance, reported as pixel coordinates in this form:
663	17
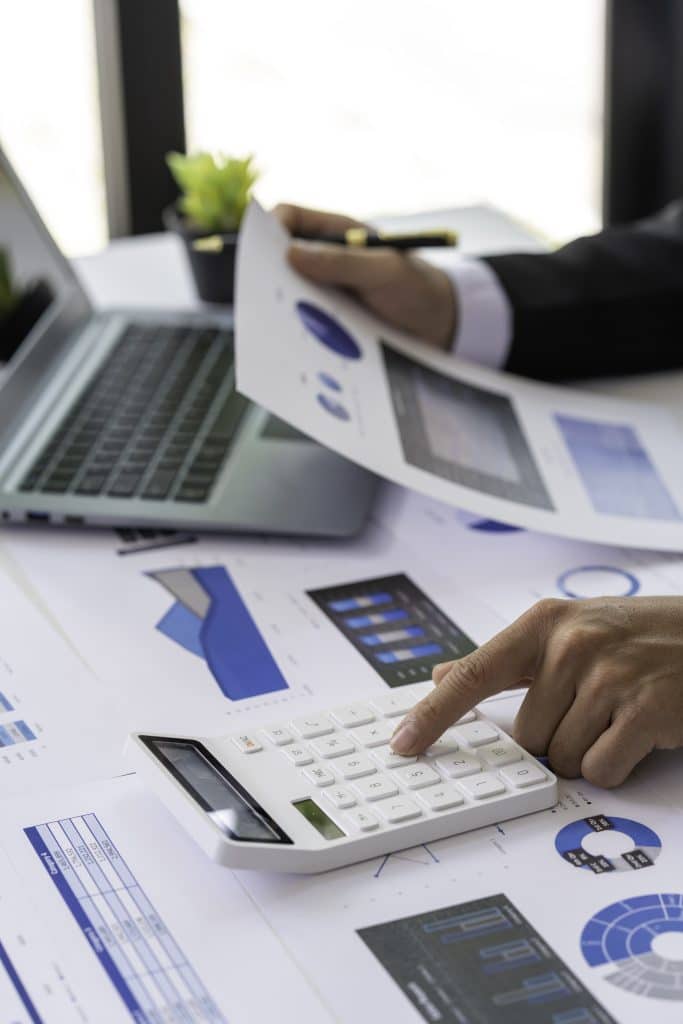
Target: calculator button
298	755
526	773
355	767
440	798
374	735
319	775
313	725
457	766
332	746
362	821
446	744
247	744
415	776
353	714
388	759
499	754
479	787
340	797
376	787
478	733
469	717
399	808
392	704
278	735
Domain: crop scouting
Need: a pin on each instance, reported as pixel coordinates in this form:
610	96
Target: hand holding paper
604	685
552	459
403	290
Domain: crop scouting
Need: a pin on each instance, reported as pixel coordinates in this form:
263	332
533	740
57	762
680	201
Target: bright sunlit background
368	107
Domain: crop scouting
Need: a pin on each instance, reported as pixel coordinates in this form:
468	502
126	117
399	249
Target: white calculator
318	791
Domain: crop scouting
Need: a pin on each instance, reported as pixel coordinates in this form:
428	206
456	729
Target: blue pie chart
328	331
636	944
588	844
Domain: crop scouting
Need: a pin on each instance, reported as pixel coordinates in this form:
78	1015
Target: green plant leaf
216	190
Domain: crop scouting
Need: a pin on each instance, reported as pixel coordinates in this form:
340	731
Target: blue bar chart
394	625
481	961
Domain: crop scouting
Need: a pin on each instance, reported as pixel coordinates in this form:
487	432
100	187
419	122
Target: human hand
402	289
604	678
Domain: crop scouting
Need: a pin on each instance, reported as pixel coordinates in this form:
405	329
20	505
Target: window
49	115
389	106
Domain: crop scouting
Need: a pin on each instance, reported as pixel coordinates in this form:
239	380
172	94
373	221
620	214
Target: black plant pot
213	272
15	326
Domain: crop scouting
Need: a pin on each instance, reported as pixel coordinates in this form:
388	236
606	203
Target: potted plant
20	308
215	193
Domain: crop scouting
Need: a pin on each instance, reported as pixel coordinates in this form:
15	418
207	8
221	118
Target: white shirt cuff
484	330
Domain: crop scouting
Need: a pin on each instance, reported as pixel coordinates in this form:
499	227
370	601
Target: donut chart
590	844
328	331
598	581
623	939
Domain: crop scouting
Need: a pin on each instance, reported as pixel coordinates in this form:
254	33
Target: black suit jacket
605	305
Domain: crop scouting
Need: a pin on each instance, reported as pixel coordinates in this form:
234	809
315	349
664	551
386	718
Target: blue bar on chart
376	619
5	705
399	631
408	653
392	636
349	604
15	732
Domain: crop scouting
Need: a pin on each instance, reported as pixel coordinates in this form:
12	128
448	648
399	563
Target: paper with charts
552	459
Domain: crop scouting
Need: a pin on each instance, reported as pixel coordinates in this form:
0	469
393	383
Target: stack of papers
108	910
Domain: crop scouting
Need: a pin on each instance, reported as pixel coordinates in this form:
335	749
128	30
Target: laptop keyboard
156	421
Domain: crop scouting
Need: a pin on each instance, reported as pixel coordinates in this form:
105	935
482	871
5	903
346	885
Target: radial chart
637	944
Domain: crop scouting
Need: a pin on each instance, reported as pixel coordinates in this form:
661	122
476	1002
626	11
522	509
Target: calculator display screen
318	819
228	803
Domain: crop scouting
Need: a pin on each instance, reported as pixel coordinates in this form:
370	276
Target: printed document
552	459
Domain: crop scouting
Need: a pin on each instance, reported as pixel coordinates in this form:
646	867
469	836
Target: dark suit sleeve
609	304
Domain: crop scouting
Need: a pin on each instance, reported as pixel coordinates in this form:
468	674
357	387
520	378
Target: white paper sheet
551	459
526	860
110	914
58	723
135	618
510	568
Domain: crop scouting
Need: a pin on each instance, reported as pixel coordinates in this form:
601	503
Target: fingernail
405	738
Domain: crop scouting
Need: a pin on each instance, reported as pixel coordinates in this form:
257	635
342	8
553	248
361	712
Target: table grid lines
148	969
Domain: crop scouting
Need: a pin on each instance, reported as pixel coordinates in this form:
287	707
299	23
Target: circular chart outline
633	581
322	326
620	936
644	838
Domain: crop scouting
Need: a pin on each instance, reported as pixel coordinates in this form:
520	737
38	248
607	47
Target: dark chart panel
395	626
463	433
481	963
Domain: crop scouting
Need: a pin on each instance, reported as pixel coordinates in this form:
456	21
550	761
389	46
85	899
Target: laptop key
92	483
125	485
159	486
192	493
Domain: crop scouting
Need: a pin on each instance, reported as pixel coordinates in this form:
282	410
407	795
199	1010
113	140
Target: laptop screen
36	282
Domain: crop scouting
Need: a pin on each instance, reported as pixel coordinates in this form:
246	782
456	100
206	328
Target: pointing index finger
495	666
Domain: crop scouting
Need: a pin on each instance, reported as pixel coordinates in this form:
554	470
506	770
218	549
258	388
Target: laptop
124	418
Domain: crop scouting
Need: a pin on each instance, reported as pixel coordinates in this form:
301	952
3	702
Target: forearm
608	304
